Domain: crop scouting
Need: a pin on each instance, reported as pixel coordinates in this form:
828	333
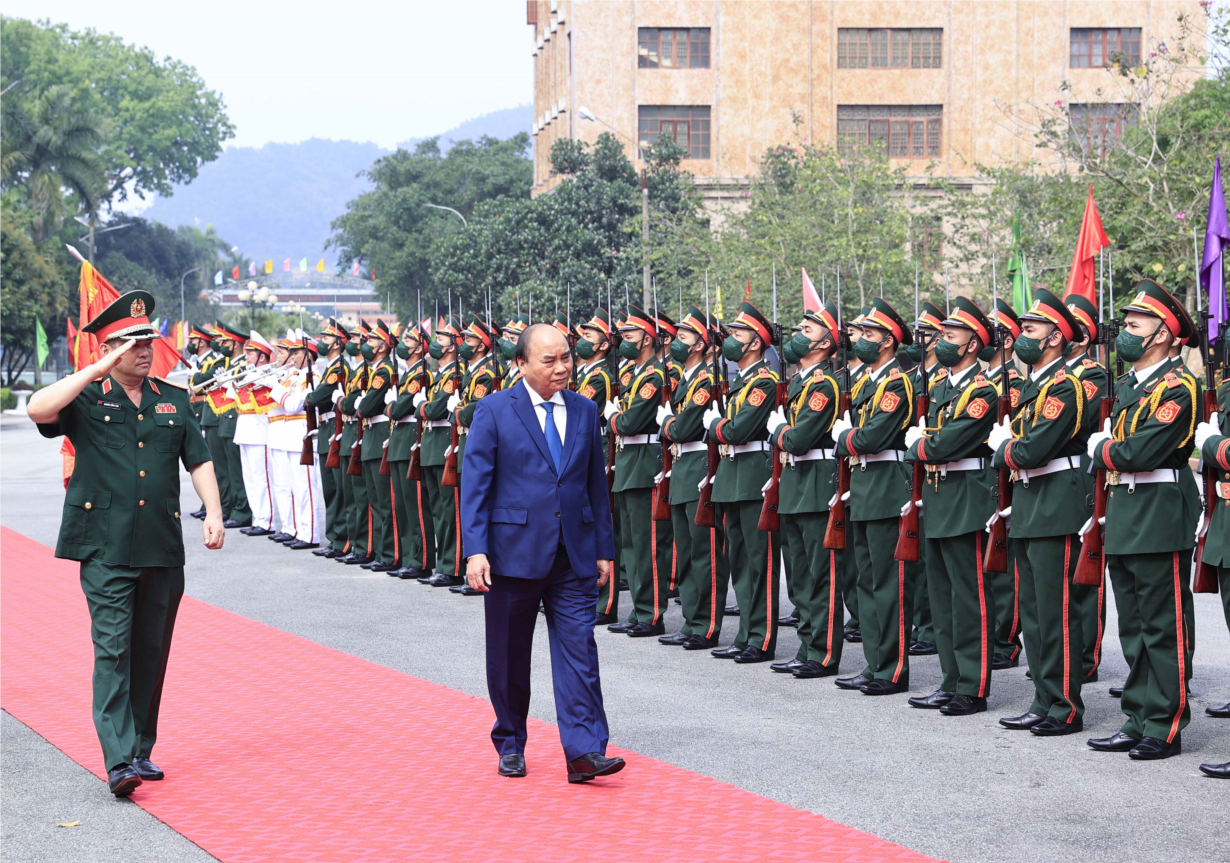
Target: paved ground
961	789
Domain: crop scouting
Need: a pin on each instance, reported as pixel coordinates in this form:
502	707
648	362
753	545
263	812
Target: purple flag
1216	238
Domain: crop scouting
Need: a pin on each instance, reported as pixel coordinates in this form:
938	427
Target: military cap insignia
818	401
647	390
164	408
136	308
889	402
977	408
1091	389
700	397
626	379
448	385
1167	412
756	398
480	391
588	391
1014	397
1052	408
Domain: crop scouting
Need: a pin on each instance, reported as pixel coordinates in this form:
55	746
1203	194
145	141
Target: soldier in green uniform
418	553
238	514
957	498
703	571
596	381
1152	509
873	439
211	367
354	487
121	521
801	430
666	555
754	555
1042	445
854	371
433	412
201	358
333	338
373	405
508	349
633	418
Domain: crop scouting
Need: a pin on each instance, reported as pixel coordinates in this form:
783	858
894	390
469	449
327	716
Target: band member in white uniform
291	393
252	436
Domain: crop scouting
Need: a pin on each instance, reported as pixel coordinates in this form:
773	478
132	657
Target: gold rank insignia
818	401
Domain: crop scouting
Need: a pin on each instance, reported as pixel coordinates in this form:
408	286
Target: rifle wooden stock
415	471
449	477
1092	563
384	470
995	558
334	458
1205	579
769	519
835	530
355	466
909	532
308	455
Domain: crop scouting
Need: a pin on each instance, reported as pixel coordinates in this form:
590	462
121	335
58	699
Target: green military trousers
442	501
885	594
1152	597
413	519
132	616
703	572
816	573
665	553
239	509
354	495
964	612
226	487
331	488
608	594
1008	594
385	540
648	583
849	588
1054	642
755	569
924	628
1091	605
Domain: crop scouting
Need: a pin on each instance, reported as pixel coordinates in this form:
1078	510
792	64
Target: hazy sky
358	70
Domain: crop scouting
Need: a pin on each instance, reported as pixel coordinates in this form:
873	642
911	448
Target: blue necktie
554	444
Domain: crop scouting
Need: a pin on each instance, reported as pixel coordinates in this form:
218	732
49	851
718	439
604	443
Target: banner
41	351
218	277
1082	279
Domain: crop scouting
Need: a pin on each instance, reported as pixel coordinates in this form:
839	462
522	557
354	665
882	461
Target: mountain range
277	201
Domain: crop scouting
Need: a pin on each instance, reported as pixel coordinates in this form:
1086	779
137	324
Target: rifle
449	478
415	471
769	519
706	512
355	466
384	469
308	456
662	493
910	530
835	530
995	559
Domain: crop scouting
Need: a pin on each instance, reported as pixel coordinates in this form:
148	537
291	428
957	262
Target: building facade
932	81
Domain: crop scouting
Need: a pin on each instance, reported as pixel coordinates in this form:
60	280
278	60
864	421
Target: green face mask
988	353
436	350
226	350
403	352
800	346
585	349
466	351
1130	347
508	349
215	344
1028	350
914	352
368	352
733	349
680	351
629	350
949	353
352	349
867	351
788	353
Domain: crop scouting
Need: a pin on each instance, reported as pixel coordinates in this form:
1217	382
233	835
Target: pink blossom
1059	103
1180	215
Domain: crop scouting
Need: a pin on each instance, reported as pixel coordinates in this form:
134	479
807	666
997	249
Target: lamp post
181	289
451	210
256	295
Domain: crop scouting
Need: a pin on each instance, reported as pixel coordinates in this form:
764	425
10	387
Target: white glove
453	401
764	488
610	410
833	499
841	425
338	395
914	434
1095	440
776	420
664	411
1206	430
420	398
1089	523
996	516
1000	434
390	396
1200	526
710	415
700	486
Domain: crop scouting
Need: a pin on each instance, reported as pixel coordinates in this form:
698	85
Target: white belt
404	420
376	420
632	439
887	455
740	448
324	418
961	464
349	419
692	446
1068	462
1131	480
812	455
437	424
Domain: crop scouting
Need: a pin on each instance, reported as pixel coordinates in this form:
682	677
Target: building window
904	131
1091	49
659	48
687	125
889	49
1098	126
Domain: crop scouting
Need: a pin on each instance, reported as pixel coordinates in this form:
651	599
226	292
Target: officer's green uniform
1216	451
595	383
413	516
1049	505
386	539
923	630
1013	611
437	438
480	380
214	365
334	378
197	402
354	488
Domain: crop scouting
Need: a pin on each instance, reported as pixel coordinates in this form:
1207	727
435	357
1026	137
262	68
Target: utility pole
647	286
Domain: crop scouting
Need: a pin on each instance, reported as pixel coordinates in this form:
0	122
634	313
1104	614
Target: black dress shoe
620	628
886	687
255	531
590	766
923	648
346	558
1091	677
200	513
753	654
727	652
1000	661
1024	722
964	705
466	590
147	770
408	572
1116	692
644	630
441	579
606	619
1217	771
231	522
786	667
368	565
1154	749
934	701
673	640
1029	675
811	669
623	584
378	566
673	593
699	642
1052	727
857	681
792	620
853	636
1118	742
1222	712
325	551
122	780
512	765
426	577
301	544
731	611
280	536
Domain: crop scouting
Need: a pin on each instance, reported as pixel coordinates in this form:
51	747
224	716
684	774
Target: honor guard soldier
238	513
1213	440
1042	446
874	440
215	404
703	571
754	554
1152	509
333	339
354	487
849	586
665	552
201	358
596	381
121	520
418	553
508	349
801	431
433	412
380	393
633	418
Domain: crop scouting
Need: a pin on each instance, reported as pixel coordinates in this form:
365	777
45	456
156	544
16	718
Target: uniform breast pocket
168	432
87	516
107	426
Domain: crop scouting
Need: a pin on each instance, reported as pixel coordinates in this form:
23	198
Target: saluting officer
354	488
413	517
801	431
1042	446
121	521
333	338
703	571
874	441
433	412
380	393
1152	509
754	554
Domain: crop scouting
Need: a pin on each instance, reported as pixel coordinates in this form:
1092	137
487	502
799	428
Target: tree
32	286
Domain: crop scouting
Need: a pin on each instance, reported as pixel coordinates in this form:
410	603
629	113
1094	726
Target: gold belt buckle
782	457
1014	476
1112	477
724	451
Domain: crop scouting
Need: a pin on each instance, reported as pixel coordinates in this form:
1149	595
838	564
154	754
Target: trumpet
235	371
253	375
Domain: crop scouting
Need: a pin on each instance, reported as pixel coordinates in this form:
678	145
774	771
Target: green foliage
32	287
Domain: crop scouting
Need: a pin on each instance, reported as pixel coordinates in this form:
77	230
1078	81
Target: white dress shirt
560	412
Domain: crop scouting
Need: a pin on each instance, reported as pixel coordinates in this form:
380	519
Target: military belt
1131	480
887	455
377	419
1223	490
1067	462
437	424
325	417
810	455
690	446
635	439
733	450
404	420
961	464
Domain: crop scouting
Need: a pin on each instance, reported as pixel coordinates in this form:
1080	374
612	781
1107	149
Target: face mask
949	354
680	351
585	348
1028	350
867	351
403	352
629	350
215	344
508	349
368	352
733	349
1071	349
1130	347
800	345
352	349
226	350
788	353
466	351
436	350
988	353
914	352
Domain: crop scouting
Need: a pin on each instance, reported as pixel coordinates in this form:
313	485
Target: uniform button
107	418
557	515
140	416
141	473
177	515
170	422
89	505
140	503
561	483
140	444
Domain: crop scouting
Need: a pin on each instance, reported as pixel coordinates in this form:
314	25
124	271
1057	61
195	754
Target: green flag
1018	271
40	342
303	266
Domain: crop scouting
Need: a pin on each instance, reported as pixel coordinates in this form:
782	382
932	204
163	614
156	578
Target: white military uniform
251	436
307	517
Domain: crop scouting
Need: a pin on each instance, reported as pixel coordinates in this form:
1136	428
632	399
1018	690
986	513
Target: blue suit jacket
514	505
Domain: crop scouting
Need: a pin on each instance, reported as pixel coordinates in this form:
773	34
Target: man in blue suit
536	526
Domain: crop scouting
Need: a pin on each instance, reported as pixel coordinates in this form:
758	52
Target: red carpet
359	762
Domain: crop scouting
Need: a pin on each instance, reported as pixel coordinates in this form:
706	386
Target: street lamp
181	289
451	210
586	114
253	296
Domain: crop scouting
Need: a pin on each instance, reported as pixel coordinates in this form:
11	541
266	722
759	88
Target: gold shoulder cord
909	396
1080	402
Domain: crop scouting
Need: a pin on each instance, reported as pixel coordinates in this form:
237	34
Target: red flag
71	339
235	273
747	292
811	300
1082	278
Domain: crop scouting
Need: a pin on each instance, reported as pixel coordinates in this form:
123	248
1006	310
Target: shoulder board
980	380
817	376
941	374
1059	376
1088	363
1014	375
766	372
894	374
169	383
